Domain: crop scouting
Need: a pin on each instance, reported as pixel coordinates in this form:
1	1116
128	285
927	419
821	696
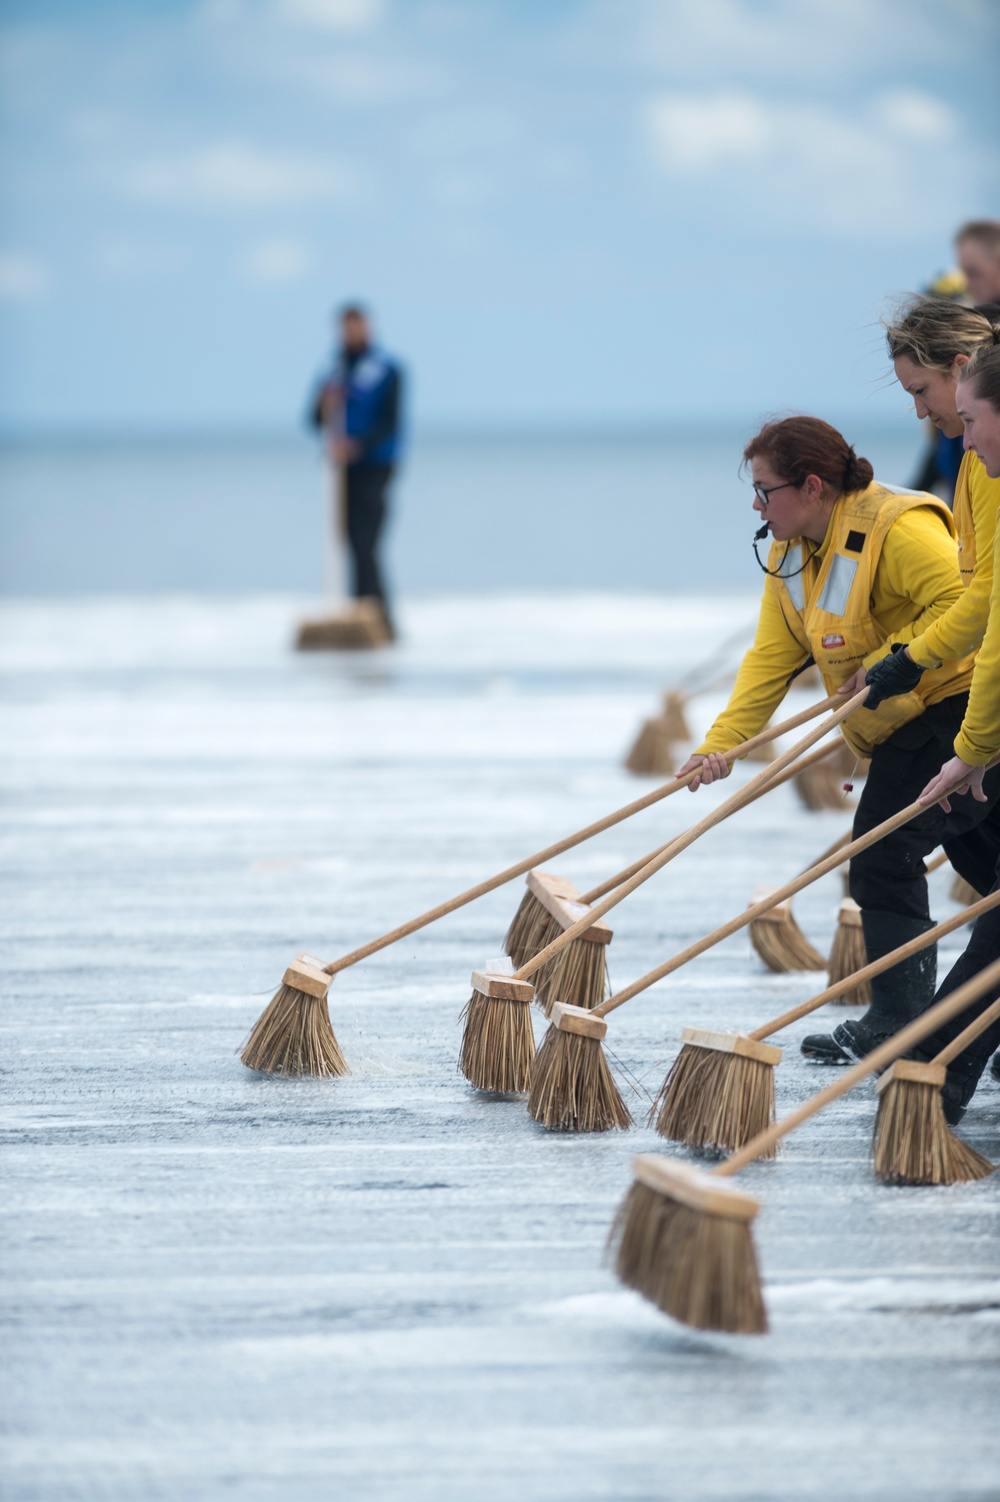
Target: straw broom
572	1087
652	751
827	787
961	890
551	1092
578	974
682	1237
563	1019
912	1142
294	1036
848	953
719	1092
776	937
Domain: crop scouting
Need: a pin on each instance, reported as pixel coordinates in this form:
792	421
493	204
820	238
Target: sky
569	213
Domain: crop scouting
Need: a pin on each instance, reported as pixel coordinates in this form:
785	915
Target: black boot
898	995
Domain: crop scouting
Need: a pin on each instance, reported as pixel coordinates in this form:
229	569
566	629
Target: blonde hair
933	330
983	374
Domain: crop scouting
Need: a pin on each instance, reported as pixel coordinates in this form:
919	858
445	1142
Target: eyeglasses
764	495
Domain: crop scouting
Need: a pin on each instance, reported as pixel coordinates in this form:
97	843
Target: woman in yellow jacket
930	342
856	568
976	744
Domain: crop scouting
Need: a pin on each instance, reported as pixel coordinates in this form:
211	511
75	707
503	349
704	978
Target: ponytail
801	446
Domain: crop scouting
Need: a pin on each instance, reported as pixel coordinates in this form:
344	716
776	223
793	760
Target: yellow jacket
886	569
961	629
978	741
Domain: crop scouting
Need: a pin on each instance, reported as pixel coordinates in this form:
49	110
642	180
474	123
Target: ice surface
218	1284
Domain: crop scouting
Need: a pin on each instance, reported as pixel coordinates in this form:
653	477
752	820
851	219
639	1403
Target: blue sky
564	212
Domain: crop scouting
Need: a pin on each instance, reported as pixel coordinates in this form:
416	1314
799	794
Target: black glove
894	675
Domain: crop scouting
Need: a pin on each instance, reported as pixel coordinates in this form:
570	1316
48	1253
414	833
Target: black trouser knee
890	875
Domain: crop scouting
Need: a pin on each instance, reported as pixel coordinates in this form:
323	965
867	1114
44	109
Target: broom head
498	1045
578	973
719	1092
962	891
572	1087
912	1142
293	1034
684	1242
849	954
358	626
779	940
653	752
821	786
532	927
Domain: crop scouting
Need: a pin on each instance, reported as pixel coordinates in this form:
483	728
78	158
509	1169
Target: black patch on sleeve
855	542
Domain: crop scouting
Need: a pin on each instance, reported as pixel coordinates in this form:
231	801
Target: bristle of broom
699	1268
654	751
912	1142
962	891
498	1044
848	954
578	974
715	1100
293	1036
572	1087
821	786
780	942
766	751
530	930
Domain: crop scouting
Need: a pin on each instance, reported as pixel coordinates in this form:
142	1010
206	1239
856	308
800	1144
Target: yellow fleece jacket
960	630
916	582
978	741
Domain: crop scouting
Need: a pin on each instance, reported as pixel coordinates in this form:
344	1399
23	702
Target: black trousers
890	875
367	485
982	949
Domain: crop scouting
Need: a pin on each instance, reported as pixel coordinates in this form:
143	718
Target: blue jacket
372	389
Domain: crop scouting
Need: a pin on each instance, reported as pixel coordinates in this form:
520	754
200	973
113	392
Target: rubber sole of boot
821	1048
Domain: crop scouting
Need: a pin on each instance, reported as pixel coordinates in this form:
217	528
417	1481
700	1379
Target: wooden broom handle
807	761
968	1035
941	859
758	908
887	1052
550	851
877	967
735	801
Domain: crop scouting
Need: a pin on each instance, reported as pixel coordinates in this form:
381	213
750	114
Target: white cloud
231	175
279	260
331	15
22	278
841	40
690	133
918	116
849	170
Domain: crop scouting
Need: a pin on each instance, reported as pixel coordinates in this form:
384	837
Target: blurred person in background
359	408
977	247
976	282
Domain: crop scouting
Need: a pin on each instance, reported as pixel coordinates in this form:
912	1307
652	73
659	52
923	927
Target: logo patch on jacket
832	639
855	542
